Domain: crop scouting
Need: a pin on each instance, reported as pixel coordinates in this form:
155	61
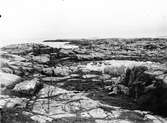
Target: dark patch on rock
148	92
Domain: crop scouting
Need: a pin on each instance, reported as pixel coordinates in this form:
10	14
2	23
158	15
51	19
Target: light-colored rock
156	119
55	79
88	76
28	87
8	79
48	90
44	58
11	57
163	78
56	103
7	102
64	104
95	113
61	71
7	70
154	73
80	104
105	77
41	119
74	75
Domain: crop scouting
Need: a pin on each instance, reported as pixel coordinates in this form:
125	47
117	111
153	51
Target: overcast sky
37	20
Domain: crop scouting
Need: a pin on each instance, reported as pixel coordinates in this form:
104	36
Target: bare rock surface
95	81
54	103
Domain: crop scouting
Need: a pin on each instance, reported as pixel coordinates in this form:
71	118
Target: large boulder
27	87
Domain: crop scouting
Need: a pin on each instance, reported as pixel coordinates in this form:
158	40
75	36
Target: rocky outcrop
24	49
79	85
102	49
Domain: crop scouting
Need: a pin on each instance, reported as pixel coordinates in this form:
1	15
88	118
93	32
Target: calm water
65	45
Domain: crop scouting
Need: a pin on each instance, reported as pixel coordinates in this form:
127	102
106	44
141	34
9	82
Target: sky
38	20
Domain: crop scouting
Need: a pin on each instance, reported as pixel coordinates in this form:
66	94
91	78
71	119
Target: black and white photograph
83	61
